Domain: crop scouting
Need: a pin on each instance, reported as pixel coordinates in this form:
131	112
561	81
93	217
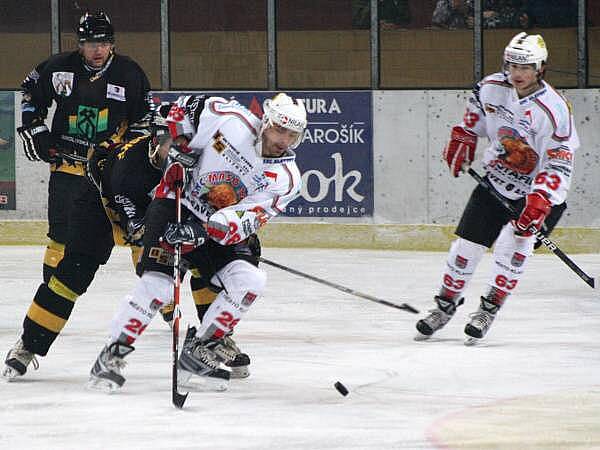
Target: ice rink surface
534	383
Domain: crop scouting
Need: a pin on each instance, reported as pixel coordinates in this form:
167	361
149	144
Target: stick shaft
177	398
339	287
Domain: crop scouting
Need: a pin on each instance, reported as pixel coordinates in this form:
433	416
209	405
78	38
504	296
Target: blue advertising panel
336	155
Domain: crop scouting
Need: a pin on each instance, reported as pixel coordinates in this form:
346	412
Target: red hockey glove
537	207
460	150
179	160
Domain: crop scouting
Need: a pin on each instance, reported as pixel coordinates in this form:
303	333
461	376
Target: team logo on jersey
88	122
115	92
219	186
517	259
514	152
461	262
63	83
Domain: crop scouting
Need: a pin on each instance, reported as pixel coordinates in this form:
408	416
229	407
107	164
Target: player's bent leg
135	313
204	294
49	312
243	284
510	256
463	258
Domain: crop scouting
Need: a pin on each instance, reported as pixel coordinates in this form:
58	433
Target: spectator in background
552	13
393	14
454	14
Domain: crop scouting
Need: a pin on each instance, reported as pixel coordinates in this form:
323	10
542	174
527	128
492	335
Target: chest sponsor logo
115	92
88	122
62	83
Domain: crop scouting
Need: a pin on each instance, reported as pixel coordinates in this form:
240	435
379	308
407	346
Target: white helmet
526	49
282	110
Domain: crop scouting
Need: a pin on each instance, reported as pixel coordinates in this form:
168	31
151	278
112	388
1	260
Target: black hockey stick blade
550	245
179	399
339	287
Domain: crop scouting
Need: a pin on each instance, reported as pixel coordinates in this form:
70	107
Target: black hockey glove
37	143
134	229
254	245
189	235
95	165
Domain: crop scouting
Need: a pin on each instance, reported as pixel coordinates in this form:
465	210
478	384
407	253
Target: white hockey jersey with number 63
259	188
532	139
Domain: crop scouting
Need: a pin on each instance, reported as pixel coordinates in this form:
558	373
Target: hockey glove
134	230
96	159
189	235
37	142
460	150
254	245
537	207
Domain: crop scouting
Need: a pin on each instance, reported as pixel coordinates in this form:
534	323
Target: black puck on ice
341	388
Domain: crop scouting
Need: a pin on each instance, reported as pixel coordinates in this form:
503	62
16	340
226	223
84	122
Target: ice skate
231	355
17	360
198	365
437	318
106	373
480	323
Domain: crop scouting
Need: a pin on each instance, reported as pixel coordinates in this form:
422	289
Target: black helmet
95	28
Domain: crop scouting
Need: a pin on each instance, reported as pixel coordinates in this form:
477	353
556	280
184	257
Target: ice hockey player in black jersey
98	93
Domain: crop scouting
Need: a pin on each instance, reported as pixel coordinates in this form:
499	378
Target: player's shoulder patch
558	110
233	110
496	79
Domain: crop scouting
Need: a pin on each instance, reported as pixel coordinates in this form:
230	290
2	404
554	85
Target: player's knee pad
239	278
76	271
463	258
152	291
511	253
243	284
54	254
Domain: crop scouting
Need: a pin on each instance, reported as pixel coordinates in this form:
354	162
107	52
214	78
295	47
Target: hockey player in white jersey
240	171
529	161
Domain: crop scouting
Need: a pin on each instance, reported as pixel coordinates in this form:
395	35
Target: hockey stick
538	233
403	306
178	399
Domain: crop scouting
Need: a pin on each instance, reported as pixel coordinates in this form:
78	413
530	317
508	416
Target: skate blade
239	372
9	374
102	385
196	383
471	341
421	337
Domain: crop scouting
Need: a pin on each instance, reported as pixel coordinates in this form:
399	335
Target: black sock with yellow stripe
54	302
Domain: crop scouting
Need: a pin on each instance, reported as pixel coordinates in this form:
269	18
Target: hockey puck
341	388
